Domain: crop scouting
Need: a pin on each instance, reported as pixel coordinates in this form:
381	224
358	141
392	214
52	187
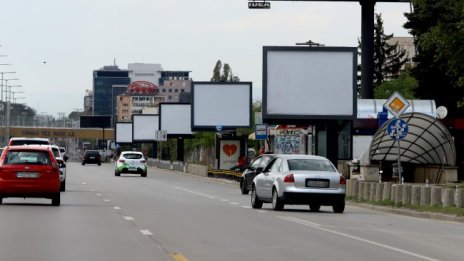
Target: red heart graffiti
229	149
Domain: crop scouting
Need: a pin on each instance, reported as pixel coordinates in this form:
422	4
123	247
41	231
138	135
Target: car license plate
317	183
27	175
92	157
132	169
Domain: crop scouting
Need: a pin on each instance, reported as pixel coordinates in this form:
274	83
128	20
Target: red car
29	171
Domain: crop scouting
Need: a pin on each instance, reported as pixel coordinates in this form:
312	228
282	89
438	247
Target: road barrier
406	194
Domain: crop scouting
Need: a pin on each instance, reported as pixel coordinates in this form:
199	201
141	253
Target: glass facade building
108	83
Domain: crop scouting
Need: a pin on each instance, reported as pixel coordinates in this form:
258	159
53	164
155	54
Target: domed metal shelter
428	142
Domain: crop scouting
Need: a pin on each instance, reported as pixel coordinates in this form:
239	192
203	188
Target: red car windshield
27	157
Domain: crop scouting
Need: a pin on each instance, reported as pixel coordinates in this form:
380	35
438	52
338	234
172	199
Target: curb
409	212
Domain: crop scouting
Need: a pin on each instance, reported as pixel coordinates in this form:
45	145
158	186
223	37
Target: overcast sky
54	45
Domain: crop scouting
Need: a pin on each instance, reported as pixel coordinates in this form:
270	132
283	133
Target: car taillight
143	161
289	178
121	160
342	180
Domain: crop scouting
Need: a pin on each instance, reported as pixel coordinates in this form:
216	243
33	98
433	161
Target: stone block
425	196
387	191
399	194
459	198
354	189
406	199
361	187
448	197
435	200
415	195
372	192
378	191
367	191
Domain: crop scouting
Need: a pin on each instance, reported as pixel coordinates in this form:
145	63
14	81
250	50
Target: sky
54	45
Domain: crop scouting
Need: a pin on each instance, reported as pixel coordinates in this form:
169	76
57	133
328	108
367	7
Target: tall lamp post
1	82
8	108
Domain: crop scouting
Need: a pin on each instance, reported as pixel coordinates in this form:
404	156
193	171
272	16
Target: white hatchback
131	162
298	180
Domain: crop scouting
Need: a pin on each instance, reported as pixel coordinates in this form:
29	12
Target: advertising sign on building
229	153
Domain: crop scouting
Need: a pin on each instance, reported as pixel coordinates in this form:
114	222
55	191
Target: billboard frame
133	128
175	135
305	118
116	132
224	127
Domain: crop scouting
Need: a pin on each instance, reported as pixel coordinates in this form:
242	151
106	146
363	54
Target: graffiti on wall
289	144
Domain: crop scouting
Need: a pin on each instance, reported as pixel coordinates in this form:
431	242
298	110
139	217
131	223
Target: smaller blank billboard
175	118
123	132
301	83
221	104
144	127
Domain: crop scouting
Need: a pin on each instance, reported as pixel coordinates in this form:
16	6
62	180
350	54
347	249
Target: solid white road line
196	193
319	226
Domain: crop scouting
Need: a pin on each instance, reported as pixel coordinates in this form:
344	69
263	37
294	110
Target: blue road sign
397	129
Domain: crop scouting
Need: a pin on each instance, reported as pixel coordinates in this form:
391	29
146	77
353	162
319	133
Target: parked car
63	153
62	165
28	141
91	156
131	162
298	180
29	172
256	167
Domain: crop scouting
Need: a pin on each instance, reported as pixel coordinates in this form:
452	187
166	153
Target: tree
438	27
388	57
404	84
225	76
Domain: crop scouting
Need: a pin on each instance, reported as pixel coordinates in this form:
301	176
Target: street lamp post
8	110
1	83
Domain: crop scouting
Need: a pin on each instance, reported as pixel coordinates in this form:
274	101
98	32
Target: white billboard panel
221	104
144	127
175	118
123	132
309	83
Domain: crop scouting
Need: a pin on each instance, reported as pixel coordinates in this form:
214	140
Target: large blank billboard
144	127
221	104
95	121
304	83
175	118
123	132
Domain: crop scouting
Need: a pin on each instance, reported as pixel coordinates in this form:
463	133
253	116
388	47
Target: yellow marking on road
178	257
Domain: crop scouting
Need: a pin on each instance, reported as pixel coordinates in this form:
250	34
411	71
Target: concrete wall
198	170
406	194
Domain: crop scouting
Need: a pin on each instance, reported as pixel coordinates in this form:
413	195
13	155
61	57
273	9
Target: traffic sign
397	129
218	128
261	132
161	135
396	104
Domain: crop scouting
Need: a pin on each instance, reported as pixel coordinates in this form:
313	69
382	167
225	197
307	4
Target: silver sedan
299	180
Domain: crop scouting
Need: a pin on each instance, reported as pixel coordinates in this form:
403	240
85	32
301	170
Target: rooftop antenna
114	61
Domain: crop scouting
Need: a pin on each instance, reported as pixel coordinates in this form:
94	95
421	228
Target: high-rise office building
108	83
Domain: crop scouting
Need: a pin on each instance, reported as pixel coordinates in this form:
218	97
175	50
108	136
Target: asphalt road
171	216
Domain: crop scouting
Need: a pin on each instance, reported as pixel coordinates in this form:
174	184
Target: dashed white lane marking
224	200
146	232
318	226
262	211
246	207
129	218
99	195
116	208
196	193
83	183
233	203
106	200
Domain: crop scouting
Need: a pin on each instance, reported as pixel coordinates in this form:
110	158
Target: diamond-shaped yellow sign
396	104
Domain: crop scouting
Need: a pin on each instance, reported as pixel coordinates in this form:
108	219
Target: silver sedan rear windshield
310	164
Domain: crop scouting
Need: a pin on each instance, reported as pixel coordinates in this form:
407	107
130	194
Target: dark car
256	167
91	156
